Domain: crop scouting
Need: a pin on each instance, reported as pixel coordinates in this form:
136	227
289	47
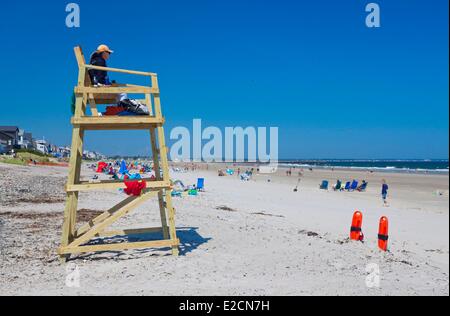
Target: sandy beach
237	238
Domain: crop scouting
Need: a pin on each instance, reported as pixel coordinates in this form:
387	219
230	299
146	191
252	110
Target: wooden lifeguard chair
76	240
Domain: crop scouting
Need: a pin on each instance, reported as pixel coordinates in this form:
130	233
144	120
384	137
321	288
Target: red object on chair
114	110
135	188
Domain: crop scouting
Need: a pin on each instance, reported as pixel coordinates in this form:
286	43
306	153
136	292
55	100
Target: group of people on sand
289	172
248	172
362	187
185	167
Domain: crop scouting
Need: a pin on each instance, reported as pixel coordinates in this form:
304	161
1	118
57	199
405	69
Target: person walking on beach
384	192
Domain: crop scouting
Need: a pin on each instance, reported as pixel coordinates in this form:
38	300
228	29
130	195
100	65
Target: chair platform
117	122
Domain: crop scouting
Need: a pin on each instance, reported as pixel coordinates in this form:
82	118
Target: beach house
64	152
41	146
92	155
9	138
25	140
5	143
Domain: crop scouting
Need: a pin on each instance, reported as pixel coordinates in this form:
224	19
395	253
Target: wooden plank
125	71
79	161
80	57
148	103
163	152
126	232
105	98
66	236
115	127
114	185
115	90
72	197
157	100
116	120
119	246
93	105
157	155
145	102
172	228
81	62
70	210
86	227
110	220
156	166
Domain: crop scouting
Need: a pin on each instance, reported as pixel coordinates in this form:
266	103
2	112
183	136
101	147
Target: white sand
243	253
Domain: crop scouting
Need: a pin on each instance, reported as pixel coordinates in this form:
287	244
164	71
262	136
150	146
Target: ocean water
421	166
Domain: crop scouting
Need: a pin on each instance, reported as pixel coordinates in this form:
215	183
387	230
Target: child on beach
384	192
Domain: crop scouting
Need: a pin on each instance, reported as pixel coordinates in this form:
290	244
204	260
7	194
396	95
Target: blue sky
335	88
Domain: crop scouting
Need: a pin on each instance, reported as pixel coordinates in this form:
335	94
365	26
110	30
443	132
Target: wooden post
156	167
70	211
165	166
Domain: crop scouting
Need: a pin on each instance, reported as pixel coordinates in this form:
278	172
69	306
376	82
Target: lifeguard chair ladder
76	240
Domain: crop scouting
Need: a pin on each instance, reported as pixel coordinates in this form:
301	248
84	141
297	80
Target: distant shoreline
387	169
297	168
412	166
439	167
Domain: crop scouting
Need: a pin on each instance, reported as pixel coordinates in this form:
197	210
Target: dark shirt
384	189
98	76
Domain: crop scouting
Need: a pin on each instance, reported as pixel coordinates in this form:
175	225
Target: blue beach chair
354	185
324	185
201	184
362	187
347	186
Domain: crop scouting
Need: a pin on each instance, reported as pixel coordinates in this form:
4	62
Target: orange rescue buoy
356	229
383	234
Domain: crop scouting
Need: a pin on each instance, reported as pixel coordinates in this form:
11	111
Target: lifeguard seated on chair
100	78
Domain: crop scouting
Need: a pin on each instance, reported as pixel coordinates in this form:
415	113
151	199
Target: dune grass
27	156
23	158
13	161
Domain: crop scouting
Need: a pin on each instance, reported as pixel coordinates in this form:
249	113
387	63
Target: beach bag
134	107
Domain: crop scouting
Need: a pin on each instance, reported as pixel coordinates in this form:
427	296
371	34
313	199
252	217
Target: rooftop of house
5	136
9	128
